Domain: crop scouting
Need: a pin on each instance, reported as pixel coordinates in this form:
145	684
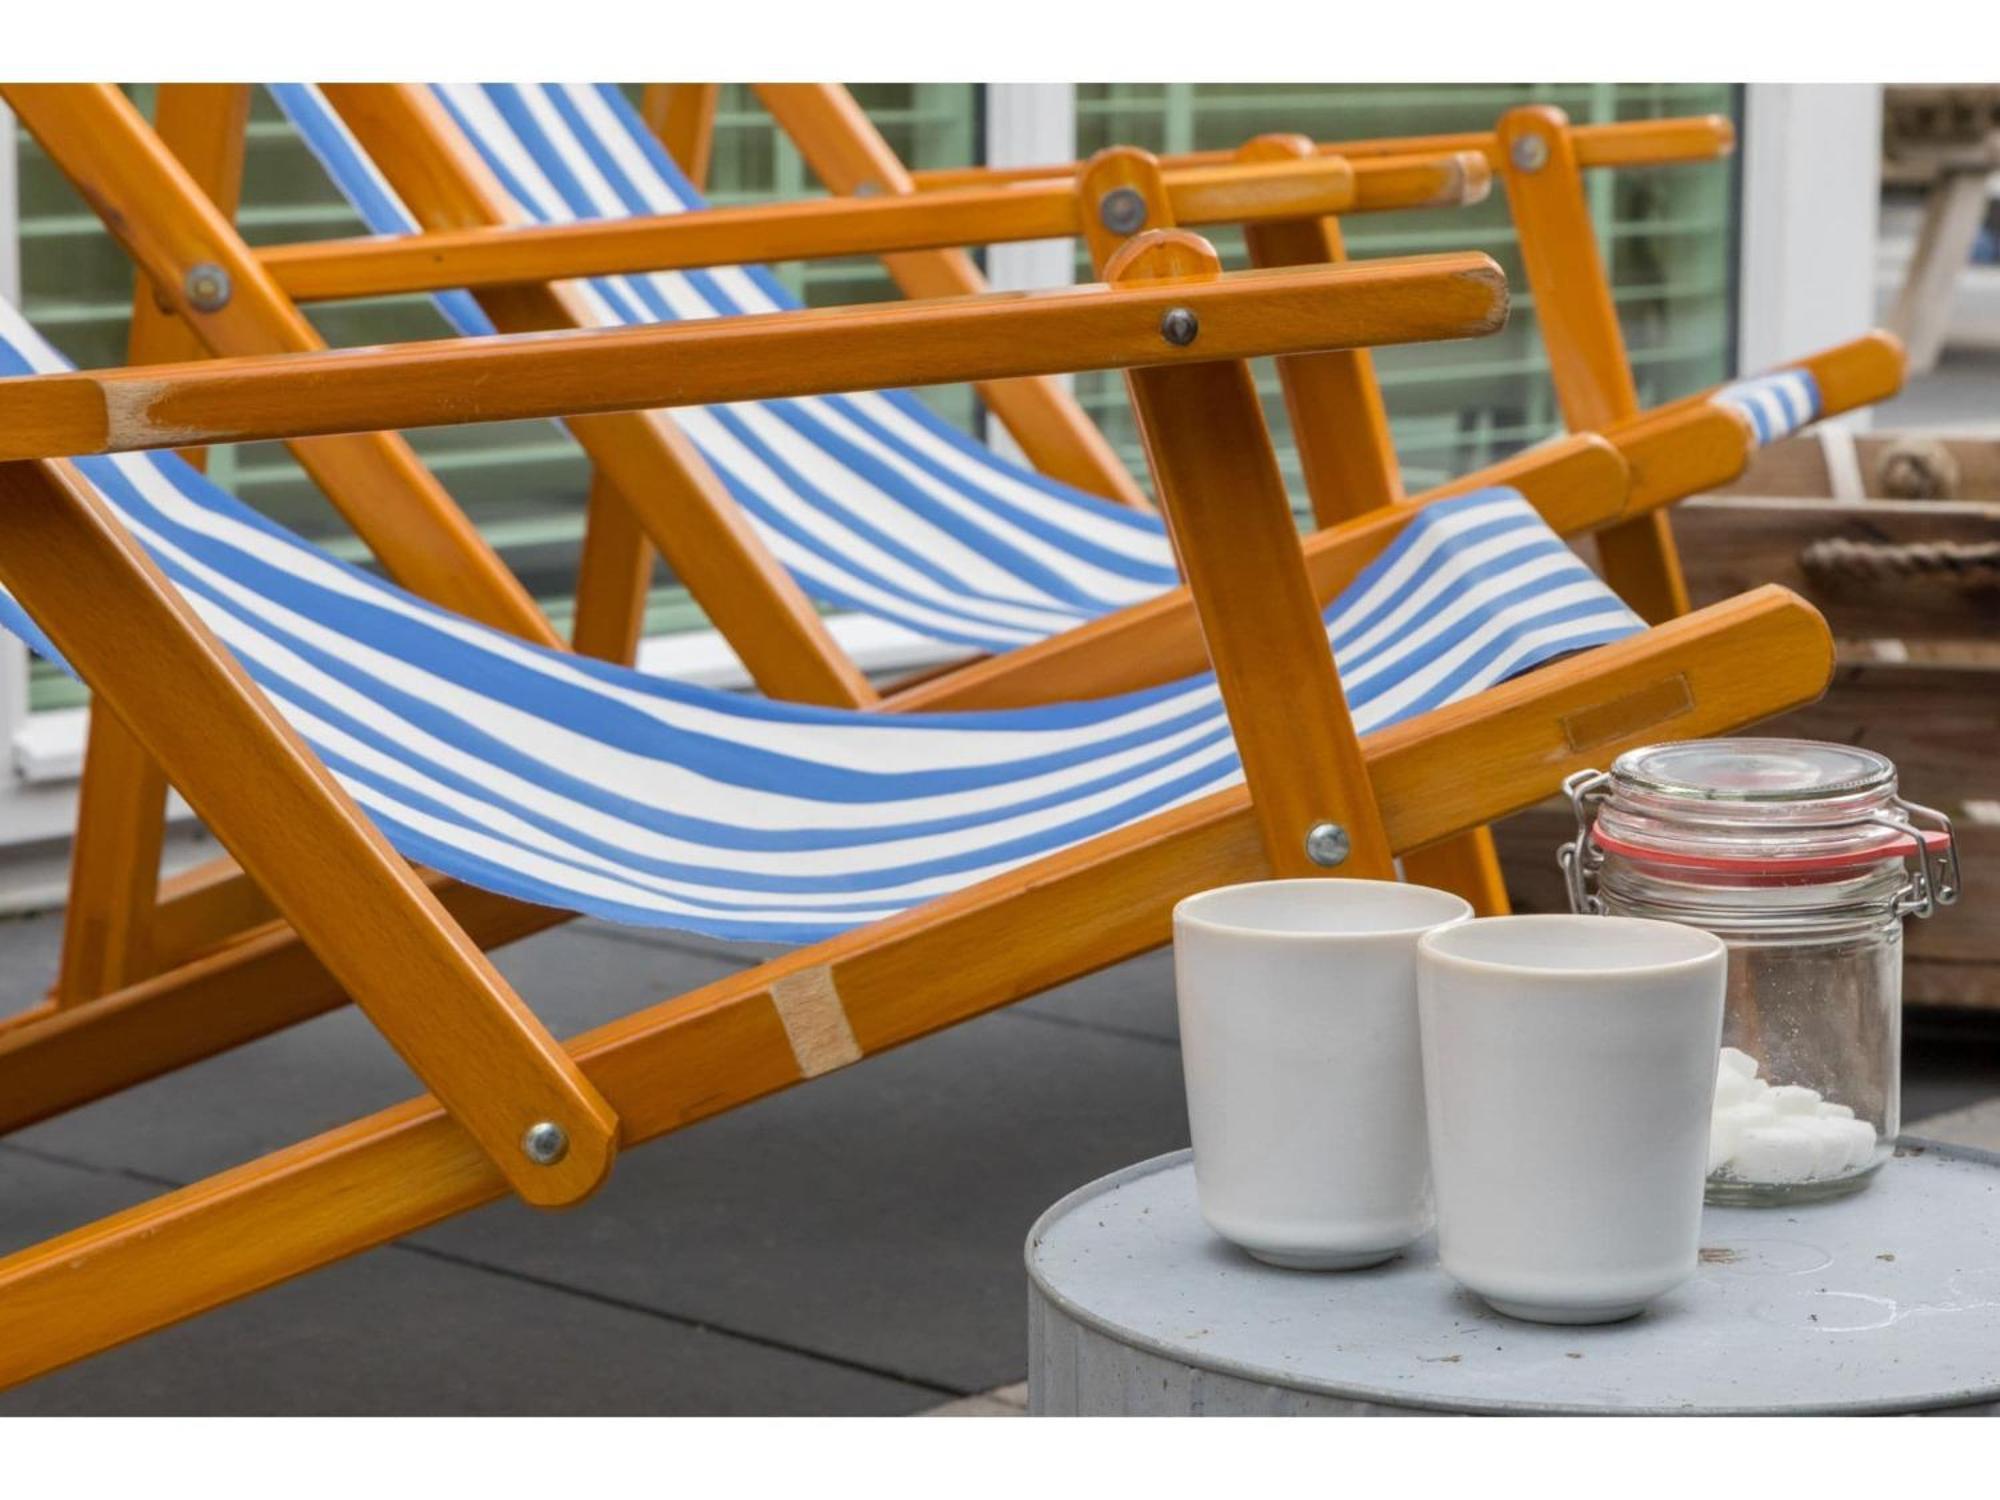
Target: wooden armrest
1625	143
1224	194
816	352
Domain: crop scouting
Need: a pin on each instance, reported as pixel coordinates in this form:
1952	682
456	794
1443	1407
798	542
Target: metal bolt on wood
545	1143
1179	326
207	287
1122	210
1327	845
1531	153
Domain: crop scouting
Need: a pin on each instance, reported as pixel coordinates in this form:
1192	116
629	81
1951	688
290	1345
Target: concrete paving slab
398	1332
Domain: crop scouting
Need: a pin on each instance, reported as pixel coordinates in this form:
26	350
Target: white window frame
1811	204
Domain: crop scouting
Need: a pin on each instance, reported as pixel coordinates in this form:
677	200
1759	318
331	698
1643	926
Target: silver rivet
1327	845
1179	327
206	286
1122	210
545	1143
1530	153
867	189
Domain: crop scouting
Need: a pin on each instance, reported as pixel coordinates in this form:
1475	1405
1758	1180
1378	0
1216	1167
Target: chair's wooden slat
428	989
1231	522
114	865
849	155
159	213
1623	143
1338	420
1579	325
729	359
682	115
718	1047
496	254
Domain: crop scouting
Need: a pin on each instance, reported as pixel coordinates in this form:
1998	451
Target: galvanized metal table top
1885	1301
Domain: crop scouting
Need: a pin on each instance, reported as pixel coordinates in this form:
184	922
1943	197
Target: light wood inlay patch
815	1021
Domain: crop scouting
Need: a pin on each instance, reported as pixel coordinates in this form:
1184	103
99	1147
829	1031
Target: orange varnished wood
1625	143
1335	402
1284	310
614	575
163	219
850	156
721	1046
492	255
682	115
1231	523
1579	327
428	989
122	797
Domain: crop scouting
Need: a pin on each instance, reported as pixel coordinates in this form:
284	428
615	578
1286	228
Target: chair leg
1579	325
753	1033
682	115
613	578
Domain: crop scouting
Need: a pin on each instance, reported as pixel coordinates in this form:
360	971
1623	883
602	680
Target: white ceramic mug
1569	1068
1298	1010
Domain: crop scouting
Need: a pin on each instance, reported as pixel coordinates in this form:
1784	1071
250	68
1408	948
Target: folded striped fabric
591	787
1777	405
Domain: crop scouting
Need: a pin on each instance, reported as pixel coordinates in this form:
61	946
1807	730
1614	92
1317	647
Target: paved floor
849	1247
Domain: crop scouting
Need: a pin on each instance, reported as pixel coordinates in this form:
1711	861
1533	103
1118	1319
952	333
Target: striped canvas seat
1777	405
591	787
871	501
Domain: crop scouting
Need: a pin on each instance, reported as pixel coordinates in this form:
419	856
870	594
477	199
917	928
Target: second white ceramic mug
1298	1020
1569	1069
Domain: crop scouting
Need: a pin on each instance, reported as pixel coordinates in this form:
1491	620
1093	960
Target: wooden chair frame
488	1064
173	215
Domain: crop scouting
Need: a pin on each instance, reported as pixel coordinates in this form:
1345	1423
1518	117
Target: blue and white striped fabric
577	784
871	501
1777	405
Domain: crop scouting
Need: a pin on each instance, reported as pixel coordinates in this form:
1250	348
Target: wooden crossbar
810	352
1624	143
326	270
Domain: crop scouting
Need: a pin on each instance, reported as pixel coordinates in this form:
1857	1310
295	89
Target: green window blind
1667	232
524	484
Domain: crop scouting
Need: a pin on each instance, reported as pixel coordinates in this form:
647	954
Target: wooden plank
430	991
813	352
114	865
815	229
724	1044
1231	522
682	115
1624	143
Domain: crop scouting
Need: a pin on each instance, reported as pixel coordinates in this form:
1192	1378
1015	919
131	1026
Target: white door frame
1028	124
1812	168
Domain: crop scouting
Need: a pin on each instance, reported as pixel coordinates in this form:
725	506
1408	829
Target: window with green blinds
1668	233
524	484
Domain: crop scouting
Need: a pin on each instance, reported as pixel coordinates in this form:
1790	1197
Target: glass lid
1754	770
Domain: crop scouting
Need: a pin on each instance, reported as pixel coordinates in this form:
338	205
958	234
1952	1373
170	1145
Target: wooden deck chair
1540	158
330	726
125	929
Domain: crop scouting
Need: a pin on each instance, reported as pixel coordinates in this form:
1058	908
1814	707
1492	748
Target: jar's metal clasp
1934	880
1581	859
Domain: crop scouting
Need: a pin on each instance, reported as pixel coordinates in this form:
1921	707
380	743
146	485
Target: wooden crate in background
1911	588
